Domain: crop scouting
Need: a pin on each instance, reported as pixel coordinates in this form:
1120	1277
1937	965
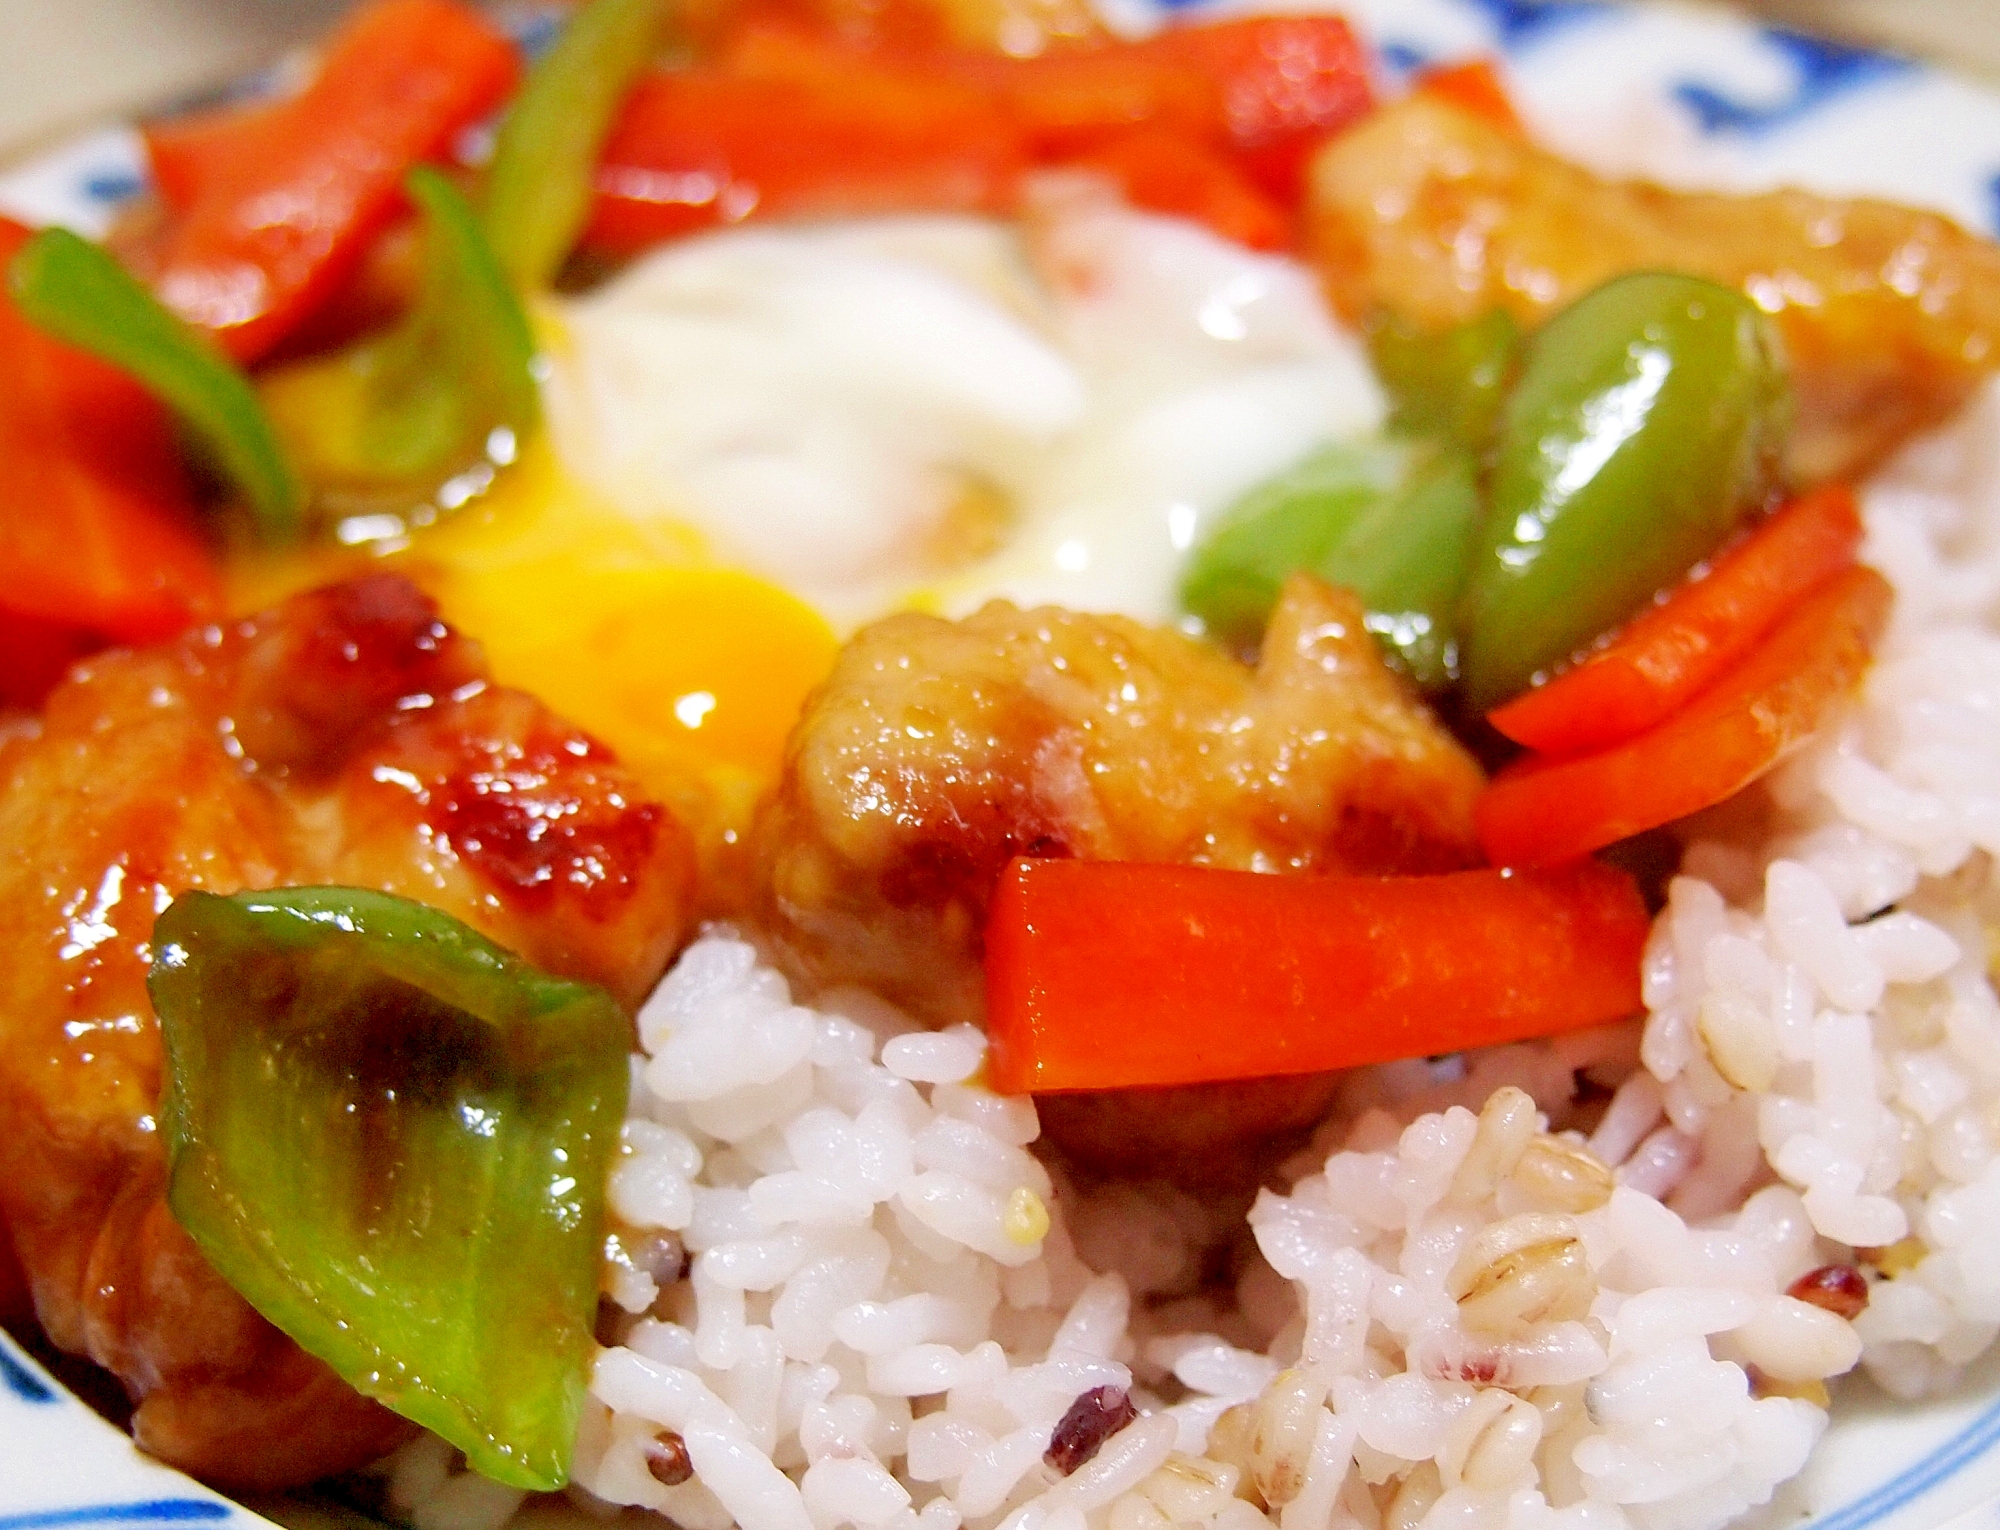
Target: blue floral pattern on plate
1826	71
64	1468
153	1511
1518	23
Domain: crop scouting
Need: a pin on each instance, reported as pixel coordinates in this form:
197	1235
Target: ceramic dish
1686	96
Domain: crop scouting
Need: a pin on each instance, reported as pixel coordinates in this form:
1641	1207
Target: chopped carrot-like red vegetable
34	654
1286	83
1110	975
97	519
1472	85
1659	662
1266	88
1542	810
1162	171
1211	122
1067	99
283	204
187	154
882	26
903	90
696	148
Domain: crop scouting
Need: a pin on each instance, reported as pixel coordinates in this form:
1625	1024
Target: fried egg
938	410
762	438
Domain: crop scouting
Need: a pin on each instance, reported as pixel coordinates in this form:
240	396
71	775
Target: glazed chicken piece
938	751
1891	316
346	737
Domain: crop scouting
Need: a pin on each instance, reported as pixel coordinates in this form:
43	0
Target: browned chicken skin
938	751
346	737
1891	316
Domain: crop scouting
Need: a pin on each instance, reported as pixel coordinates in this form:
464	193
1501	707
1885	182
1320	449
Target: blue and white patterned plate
61	1465
1684	95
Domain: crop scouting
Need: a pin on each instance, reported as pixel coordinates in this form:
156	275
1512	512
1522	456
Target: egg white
822	402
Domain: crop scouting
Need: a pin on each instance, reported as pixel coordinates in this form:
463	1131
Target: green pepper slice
77	292
1394	521
1450	383
418	419
392	1136
1649	418
538	187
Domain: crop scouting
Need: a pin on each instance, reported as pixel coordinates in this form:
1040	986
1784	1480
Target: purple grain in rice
668	1460
1091	1420
1839	1288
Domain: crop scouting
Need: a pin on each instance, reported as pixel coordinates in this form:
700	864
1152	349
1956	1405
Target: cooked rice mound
1597	1282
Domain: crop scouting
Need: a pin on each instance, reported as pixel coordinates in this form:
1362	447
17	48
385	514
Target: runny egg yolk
626	628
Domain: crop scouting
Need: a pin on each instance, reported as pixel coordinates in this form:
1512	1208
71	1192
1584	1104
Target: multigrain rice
1597	1283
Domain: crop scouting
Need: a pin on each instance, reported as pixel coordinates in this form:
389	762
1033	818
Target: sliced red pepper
284	203
907	91
1065	100
900	25
190	153
698	148
1109	975
187	153
1229	112
1266	88
1660	661
1541	810
1286	84
97	519
33	656
1169	162
1472	85
1162	171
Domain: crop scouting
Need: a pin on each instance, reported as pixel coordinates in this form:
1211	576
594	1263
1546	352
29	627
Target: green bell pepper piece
418	418
392	1137
1451	383
1392	520
1648	419
77	292
538	187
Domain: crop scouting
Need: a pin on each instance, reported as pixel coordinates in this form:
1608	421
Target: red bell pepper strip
1171	156
1229	112
1472	85
906	91
97	519
1286	84
1111	975
33	656
1067	99
187	154
1266	88
1660	661
283	205
698	148
1162	171
1539	810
